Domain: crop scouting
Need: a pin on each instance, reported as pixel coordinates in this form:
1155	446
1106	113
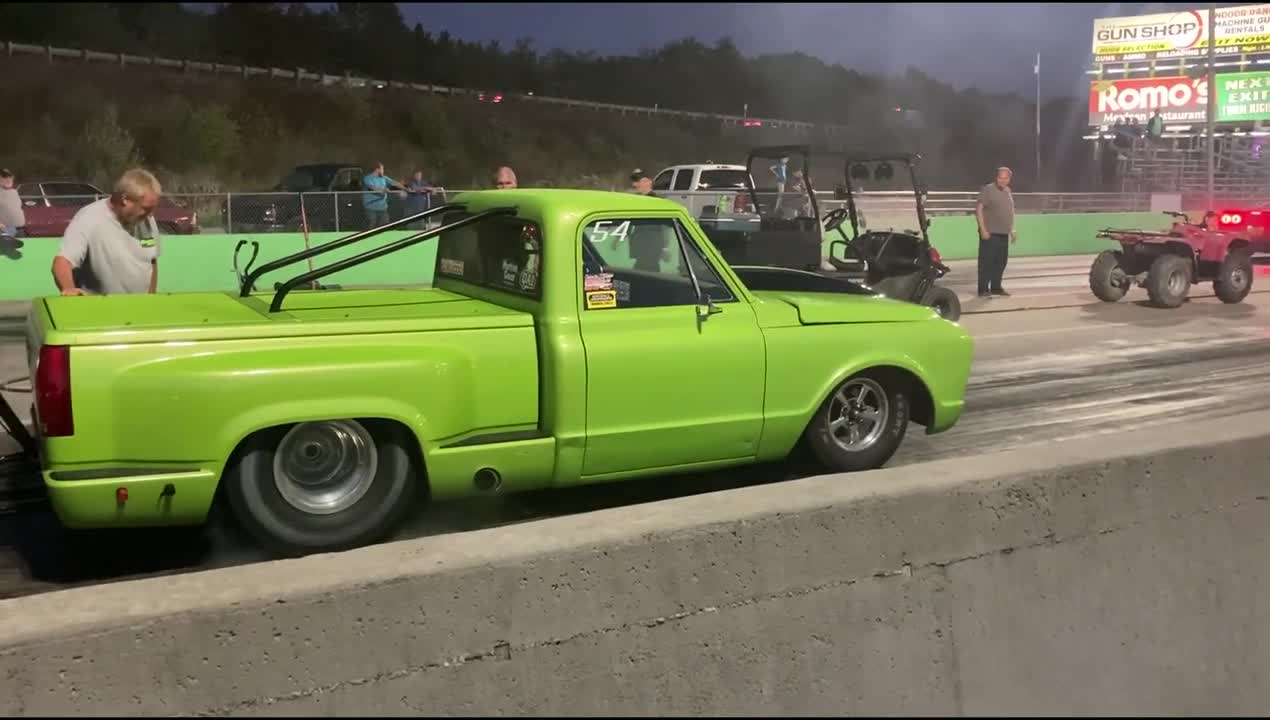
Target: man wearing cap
641	183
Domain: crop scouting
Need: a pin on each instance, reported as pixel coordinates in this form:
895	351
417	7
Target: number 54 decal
603	230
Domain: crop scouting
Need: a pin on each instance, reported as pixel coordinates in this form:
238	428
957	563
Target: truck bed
214	316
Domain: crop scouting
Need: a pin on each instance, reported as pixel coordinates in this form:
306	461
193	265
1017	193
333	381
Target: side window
640	263
683	181
663	180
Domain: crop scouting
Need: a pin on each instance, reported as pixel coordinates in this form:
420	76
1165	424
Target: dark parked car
331	195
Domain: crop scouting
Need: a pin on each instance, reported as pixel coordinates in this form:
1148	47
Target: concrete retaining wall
1131	583
205	262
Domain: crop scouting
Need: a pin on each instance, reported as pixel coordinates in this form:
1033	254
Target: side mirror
706	308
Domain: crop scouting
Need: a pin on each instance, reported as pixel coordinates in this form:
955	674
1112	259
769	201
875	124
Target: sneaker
1001	293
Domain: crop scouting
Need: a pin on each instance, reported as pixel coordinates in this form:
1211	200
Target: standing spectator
12	218
995	212
641	183
375	199
1155	126
111	246
505	178
419	194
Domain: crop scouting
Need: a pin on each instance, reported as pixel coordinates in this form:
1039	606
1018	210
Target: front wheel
1107	278
945	302
1234	278
322	486
861	425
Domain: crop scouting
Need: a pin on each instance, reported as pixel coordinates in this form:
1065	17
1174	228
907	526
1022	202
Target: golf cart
1168	263
786	250
899	262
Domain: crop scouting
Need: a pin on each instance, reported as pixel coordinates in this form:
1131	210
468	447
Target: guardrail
300	76
267	212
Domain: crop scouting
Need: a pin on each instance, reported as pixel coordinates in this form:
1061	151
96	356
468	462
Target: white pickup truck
708	190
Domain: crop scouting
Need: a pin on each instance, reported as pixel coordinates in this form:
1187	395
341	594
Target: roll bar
286	287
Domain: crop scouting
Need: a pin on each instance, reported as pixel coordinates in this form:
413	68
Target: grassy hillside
203	133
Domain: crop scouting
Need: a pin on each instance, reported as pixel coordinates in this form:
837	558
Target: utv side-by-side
898	263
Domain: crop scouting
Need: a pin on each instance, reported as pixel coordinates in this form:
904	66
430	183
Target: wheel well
413	449
921	405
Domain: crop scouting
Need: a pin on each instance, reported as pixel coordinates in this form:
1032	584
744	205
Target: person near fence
419	195
12	217
111	246
375	198
995	212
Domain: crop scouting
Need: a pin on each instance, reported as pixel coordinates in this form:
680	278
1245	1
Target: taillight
1231	219
53	391
934	255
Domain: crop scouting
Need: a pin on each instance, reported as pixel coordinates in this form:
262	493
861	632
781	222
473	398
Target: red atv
1168	263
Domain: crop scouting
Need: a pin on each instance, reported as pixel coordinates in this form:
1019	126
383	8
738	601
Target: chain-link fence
48	213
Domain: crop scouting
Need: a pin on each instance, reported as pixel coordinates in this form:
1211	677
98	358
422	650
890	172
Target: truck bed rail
249	282
313	275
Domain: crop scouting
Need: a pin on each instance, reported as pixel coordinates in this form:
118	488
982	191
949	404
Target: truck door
663	387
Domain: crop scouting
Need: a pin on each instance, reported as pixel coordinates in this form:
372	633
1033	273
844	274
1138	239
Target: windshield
722	180
778	183
501	252
884	197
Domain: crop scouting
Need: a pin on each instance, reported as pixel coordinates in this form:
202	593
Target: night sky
991	47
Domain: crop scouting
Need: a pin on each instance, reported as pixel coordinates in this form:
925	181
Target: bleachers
1181	165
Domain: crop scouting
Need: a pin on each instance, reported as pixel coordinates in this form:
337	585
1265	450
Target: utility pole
1212	99
1036	70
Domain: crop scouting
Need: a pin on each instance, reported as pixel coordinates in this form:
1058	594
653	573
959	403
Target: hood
838	308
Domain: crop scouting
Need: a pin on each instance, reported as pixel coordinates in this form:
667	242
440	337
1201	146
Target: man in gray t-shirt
111	246
995	212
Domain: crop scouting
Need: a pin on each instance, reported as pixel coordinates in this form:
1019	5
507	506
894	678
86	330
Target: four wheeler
1168	263
898	264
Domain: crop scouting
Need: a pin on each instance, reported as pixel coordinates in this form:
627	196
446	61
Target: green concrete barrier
205	262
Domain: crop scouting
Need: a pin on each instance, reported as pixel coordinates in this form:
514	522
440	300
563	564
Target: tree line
964	132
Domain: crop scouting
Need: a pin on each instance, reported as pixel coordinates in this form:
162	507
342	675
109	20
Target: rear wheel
1107	278
322	486
945	302
861	425
1234	278
1169	280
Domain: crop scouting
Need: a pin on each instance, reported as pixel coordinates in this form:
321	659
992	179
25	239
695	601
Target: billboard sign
1240	29
1180	100
1243	97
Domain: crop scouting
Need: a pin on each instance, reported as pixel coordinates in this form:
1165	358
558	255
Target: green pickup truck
568	337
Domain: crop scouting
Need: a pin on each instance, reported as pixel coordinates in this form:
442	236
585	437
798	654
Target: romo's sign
1244	28
1179	100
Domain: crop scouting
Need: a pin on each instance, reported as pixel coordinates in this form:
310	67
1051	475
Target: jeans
993	255
376	218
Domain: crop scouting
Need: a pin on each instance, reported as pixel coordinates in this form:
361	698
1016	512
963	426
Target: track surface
1069	367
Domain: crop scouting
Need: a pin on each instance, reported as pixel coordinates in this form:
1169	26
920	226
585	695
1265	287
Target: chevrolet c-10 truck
567	337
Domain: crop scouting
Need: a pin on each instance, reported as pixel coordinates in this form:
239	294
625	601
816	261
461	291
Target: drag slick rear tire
861	424
322	486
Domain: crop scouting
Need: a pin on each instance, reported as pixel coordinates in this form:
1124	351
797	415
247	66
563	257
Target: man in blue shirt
375	200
